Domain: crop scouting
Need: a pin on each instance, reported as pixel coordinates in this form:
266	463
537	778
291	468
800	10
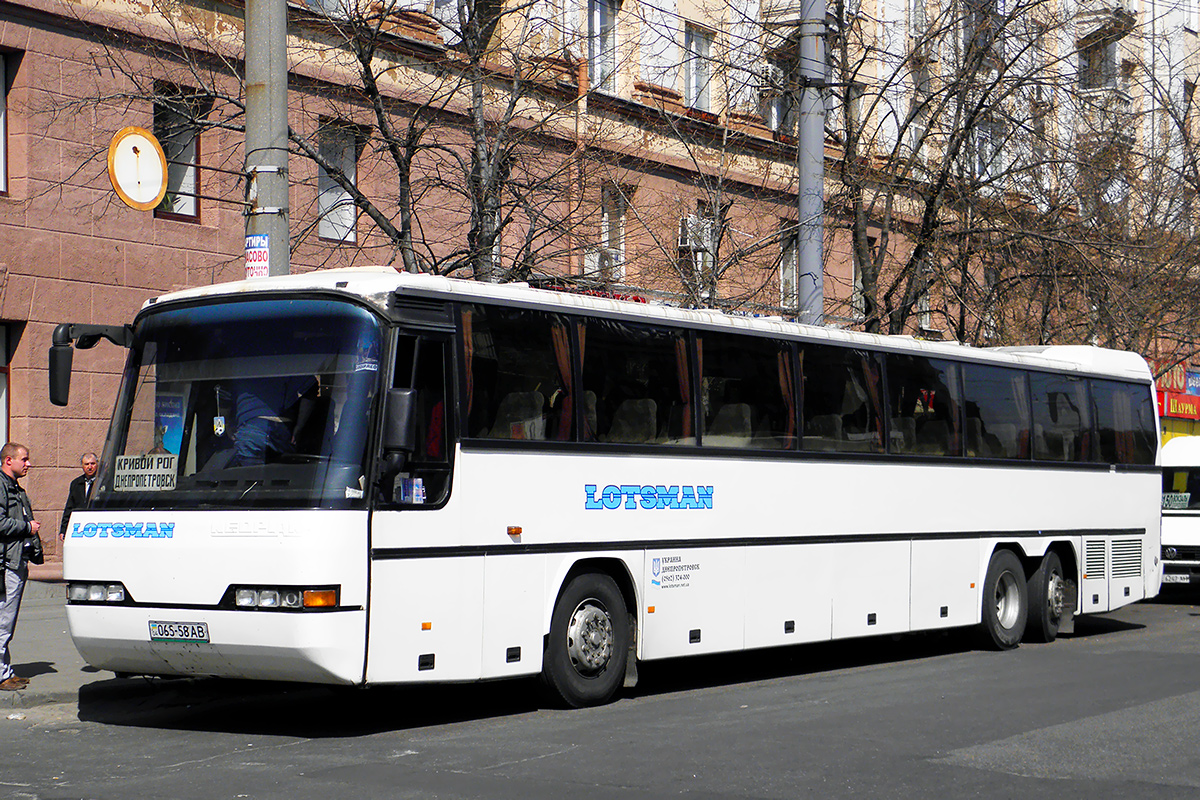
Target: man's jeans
14	586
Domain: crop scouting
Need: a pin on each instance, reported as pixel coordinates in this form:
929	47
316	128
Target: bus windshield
244	404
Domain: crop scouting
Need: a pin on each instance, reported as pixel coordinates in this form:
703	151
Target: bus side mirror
84	337
61	353
399	427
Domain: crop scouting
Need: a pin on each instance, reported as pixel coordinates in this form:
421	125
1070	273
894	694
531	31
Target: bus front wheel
1005	602
1047	592
584	662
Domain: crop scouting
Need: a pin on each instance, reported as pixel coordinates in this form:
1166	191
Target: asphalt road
1111	711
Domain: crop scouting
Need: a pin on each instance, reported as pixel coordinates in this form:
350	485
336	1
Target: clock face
137	168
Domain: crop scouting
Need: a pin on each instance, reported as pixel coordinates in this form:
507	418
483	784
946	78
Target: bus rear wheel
1047	590
584	662
1005	602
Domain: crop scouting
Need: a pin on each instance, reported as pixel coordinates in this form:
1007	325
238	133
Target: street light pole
267	242
810	164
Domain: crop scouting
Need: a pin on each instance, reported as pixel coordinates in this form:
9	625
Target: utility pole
810	164
267	242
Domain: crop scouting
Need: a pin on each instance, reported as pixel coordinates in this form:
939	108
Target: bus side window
421	365
924	402
841	399
640	379
1124	419
746	393
518	374
1061	424
997	408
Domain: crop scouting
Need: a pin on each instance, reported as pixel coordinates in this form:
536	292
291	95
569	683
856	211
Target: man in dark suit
81	489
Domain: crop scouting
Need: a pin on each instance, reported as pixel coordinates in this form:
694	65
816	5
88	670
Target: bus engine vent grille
1127	558
1093	558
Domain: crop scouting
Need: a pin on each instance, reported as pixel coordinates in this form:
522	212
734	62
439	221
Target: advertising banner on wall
1179	406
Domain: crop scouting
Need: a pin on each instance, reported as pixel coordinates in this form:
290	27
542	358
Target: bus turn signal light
320	598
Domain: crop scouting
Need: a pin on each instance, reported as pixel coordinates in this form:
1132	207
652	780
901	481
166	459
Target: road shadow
270	708
317	712
1093	625
1178	595
32	669
299	710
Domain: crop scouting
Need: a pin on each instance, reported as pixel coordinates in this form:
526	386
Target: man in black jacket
20	540
79	491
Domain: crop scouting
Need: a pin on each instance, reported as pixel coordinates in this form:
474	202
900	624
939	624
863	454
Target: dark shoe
14	683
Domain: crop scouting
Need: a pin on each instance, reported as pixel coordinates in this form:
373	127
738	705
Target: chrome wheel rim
1008	600
590	638
1056	595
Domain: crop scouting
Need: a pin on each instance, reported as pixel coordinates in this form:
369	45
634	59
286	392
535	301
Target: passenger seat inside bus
731	427
635	422
520	416
823	429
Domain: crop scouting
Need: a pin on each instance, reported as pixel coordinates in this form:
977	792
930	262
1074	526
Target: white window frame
180	139
697	233
789	266
610	254
920	114
778	110
602	44
338	144
1098	65
3	123
986	153
697	67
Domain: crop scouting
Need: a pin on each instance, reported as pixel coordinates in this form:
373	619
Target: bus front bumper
324	647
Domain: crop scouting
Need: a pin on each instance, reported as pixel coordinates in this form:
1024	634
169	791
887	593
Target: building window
917	24
858	302
3	124
988	136
178	119
985	24
697	71
338	144
919	110
1098	65
4	369
602	43
698	247
789	265
607	259
779	95
924	308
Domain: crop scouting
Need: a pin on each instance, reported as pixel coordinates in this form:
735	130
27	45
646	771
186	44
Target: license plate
1169	578
178	631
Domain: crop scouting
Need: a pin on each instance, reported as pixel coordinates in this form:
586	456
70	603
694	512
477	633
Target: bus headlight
95	592
282	598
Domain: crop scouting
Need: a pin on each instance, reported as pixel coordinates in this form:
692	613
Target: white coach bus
1181	510
365	477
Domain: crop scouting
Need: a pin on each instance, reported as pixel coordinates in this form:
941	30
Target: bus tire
1047	592
1005	602
584	661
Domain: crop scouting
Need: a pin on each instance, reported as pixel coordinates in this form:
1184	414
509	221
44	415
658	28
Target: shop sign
1179	406
1171	377
1193	383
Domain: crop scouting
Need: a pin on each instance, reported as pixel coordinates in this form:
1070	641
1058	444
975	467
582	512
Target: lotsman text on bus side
649	497
124	530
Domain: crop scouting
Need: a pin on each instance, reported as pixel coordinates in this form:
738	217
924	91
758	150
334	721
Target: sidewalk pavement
41	647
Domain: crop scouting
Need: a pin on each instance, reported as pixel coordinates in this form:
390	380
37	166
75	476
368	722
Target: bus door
426	604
